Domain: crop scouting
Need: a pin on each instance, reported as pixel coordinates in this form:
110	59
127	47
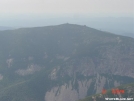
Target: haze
91	7
107	15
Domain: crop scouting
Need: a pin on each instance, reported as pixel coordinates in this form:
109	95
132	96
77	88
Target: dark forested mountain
62	63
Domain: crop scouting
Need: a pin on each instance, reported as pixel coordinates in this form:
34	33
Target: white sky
96	7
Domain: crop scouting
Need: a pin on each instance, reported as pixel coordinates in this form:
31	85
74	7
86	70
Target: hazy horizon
109	15
23	12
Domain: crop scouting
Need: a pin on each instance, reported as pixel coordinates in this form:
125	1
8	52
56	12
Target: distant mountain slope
62	63
129	34
5	28
128	93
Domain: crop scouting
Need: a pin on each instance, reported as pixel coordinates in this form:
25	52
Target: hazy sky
100	14
61	7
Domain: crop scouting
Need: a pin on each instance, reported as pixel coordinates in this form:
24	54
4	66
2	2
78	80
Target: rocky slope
128	94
